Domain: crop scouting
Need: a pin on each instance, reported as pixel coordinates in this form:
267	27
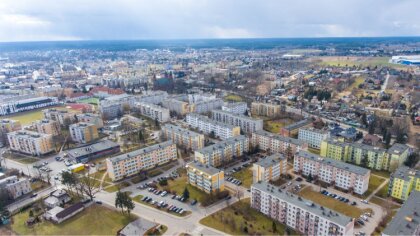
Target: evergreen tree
186	194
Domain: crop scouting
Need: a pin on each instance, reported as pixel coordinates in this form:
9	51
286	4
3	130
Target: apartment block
183	137
205	178
15	187
235	107
83	132
223	152
402	182
32	143
270	168
128	164
7	125
292	130
208	126
113	106
377	158
91	118
14	104
342	175
247	124
407	219
275	143
197	103
312	136
154	112
299	213
63	117
266	109
46	126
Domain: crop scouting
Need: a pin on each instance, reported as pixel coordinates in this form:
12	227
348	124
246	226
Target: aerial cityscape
121	124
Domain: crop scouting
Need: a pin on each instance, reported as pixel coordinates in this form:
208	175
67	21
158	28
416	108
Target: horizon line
191	39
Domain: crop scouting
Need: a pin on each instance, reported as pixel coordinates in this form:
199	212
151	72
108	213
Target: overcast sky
39	20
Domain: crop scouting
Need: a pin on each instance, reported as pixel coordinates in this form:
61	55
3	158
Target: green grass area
28	117
244	175
115	187
383	192
38	185
331	203
94	101
384	203
138	200
154	172
95	220
355	61
374	183
178	185
382	173
358	81
233	98
314	151
28	160
241	219
137	179
274	126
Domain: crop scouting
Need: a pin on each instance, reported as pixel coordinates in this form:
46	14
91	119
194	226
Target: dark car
299	179
98	202
34	195
194	202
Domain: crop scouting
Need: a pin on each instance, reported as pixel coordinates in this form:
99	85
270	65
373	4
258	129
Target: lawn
382	173
233	98
28	160
28	117
154	172
383	192
356	61
95	220
241	219
138	200
314	151
331	203
374	183
115	187
244	175
274	126
178	185
384	203
94	101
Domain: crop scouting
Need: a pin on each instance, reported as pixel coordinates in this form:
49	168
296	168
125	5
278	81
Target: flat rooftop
96	147
335	163
270	160
224	143
204	168
303	203
279	137
140	151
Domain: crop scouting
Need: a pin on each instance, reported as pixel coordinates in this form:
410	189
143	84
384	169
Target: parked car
194	202
98	202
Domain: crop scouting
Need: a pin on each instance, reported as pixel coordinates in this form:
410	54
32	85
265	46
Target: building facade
48	127
15	187
266	109
365	155
313	137
270	168
83	132
183	137
154	112
298	213
247	124
8	125
223	152
25	103
93	151
132	163
63	117
342	175
208	126
402	182
205	178
275	143
235	107
32	143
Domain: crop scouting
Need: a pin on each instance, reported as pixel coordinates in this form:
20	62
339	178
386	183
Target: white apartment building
205	178
61	116
208	126
153	97
91	118
312	136
112	107
223	152
183	137
343	175
48	127
299	213
15	187
29	142
275	143
235	107
247	124
128	164
269	168
153	111
83	132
